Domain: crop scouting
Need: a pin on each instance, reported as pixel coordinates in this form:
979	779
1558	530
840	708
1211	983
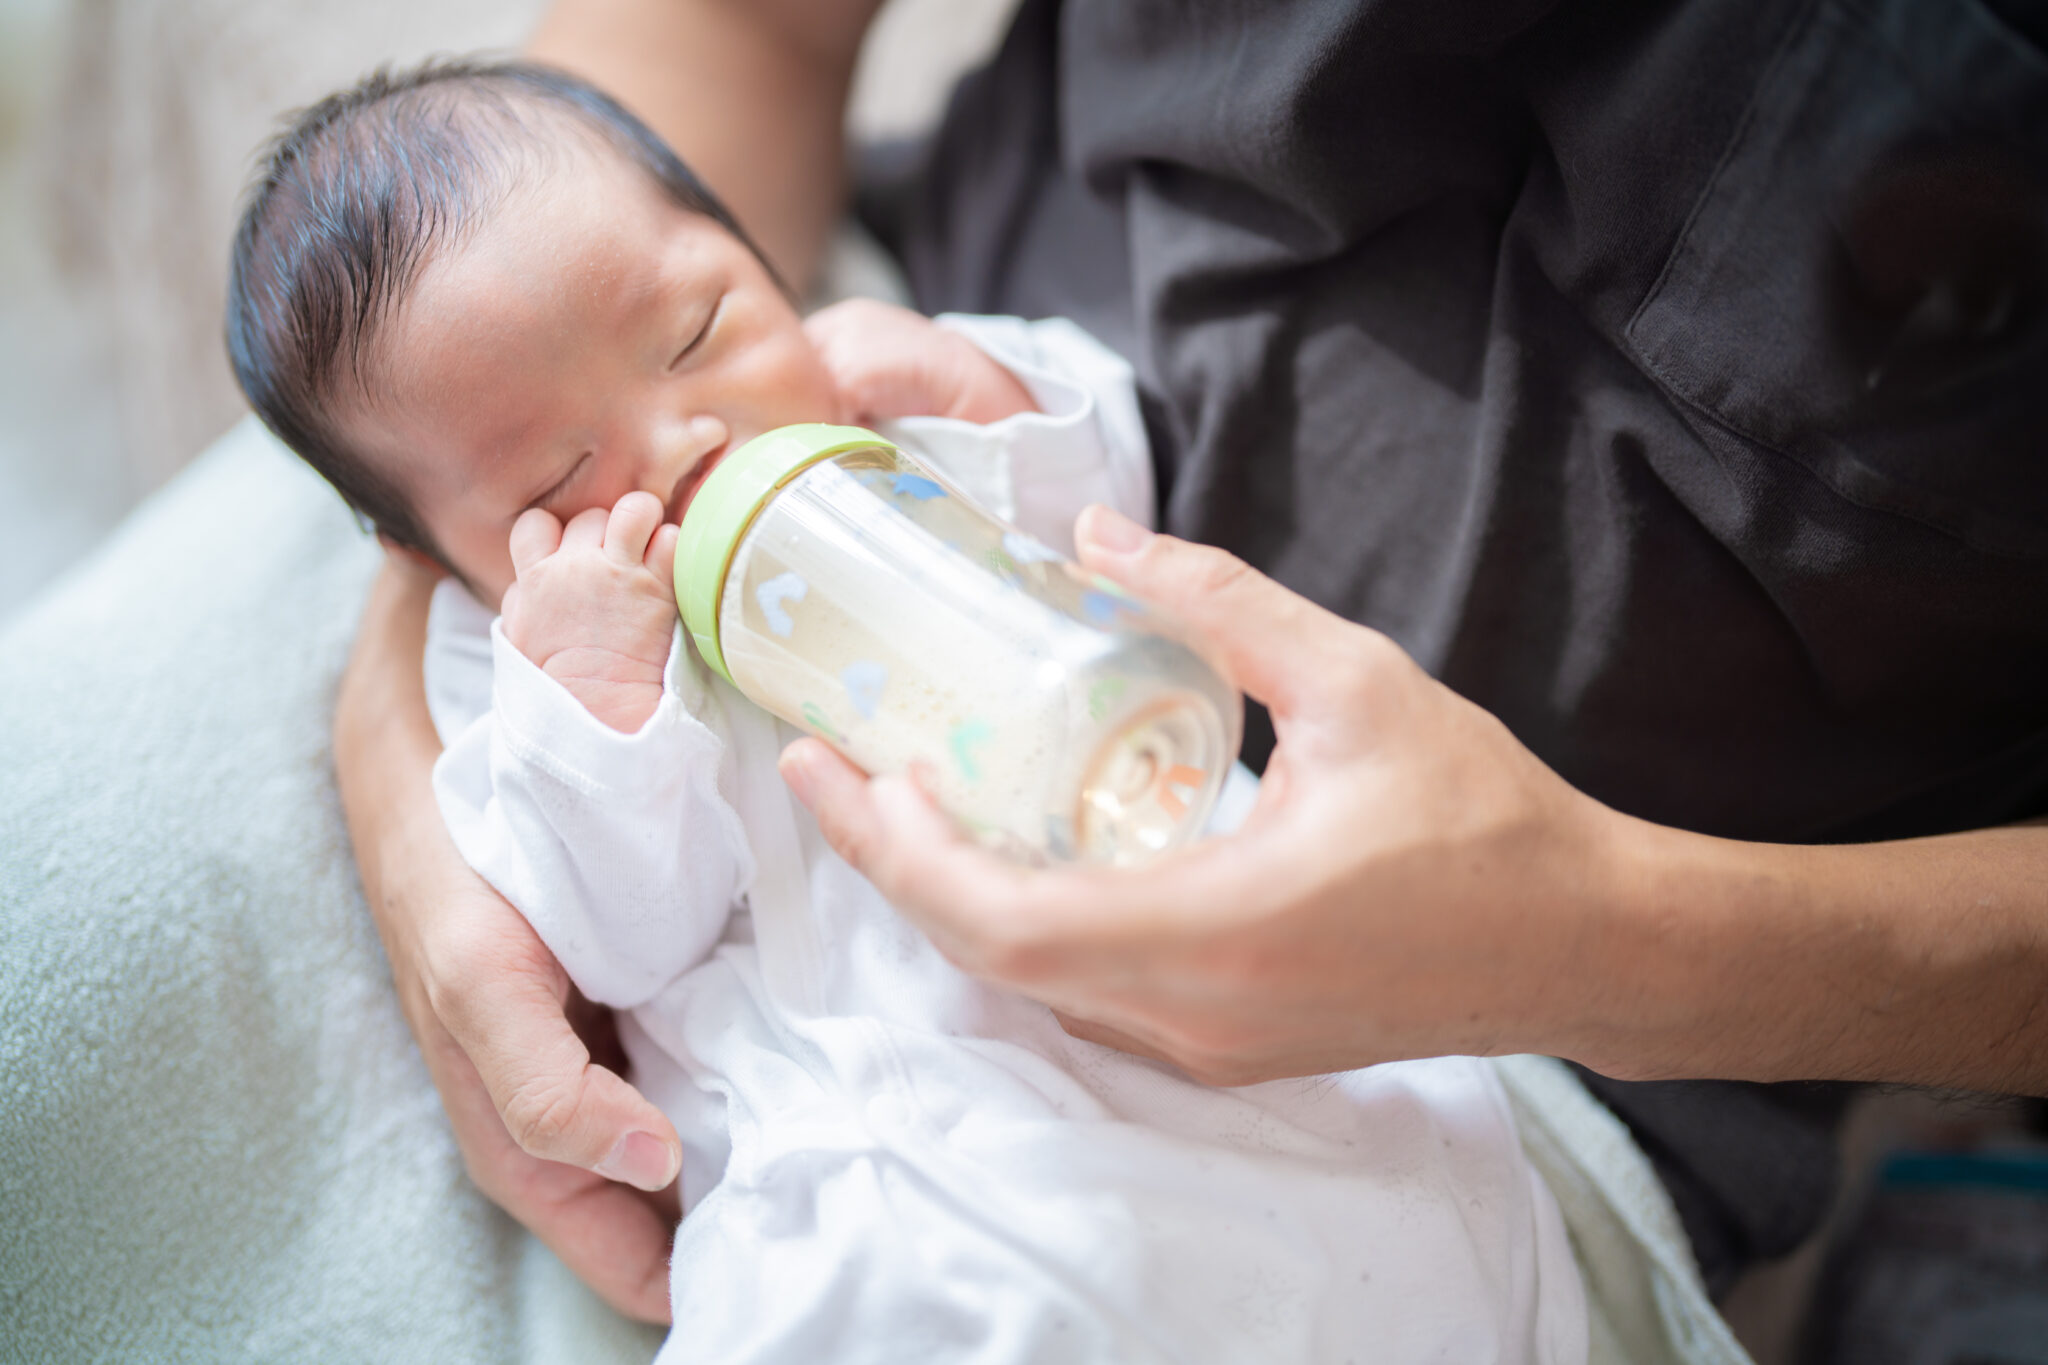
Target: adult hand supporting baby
544	1127
1414	882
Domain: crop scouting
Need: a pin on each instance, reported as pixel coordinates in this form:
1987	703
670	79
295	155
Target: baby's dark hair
352	200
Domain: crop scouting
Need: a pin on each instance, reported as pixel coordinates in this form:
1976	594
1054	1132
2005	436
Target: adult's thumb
1270	639
558	1104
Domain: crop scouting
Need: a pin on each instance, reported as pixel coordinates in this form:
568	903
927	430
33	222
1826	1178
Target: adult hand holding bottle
1413	882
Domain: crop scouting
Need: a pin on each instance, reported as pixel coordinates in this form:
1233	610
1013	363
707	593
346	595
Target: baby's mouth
687	486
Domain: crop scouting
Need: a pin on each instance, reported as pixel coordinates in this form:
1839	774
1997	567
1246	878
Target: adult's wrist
1665	964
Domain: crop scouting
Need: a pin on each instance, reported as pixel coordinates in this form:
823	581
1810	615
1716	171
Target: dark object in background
1771	1149
1669	379
1946	1264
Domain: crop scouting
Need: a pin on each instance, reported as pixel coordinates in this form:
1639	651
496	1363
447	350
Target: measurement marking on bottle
864	680
814	716
1099	607
784	587
916	486
969	734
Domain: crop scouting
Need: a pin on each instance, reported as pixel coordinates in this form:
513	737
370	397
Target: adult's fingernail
1108	529
796	771
641	1160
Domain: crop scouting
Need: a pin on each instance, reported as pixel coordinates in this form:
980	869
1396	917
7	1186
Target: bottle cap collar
725	506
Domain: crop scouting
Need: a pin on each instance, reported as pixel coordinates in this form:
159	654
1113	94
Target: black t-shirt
1670	380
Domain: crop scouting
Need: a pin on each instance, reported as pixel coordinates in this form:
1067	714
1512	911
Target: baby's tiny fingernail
641	1160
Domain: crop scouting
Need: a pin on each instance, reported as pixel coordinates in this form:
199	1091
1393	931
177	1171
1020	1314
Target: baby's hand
593	606
890	362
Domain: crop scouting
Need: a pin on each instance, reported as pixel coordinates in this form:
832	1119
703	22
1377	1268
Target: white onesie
887	1161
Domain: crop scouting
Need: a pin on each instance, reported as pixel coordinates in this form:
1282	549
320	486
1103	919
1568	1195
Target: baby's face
590	339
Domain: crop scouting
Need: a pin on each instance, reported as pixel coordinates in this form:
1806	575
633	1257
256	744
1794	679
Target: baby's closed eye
549	496
698	334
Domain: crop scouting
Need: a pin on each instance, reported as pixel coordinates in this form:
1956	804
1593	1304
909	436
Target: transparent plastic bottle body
1056	717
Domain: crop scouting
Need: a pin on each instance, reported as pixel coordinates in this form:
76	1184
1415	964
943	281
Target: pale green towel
217	1141
1645	1302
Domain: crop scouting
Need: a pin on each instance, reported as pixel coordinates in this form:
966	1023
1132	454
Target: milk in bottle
847	588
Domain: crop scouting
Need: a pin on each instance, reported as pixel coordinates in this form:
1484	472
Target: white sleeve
621	850
1039	469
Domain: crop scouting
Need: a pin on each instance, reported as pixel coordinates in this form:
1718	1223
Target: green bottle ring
725	506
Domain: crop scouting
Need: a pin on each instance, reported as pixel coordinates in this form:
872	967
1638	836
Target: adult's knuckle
1377	651
1210	570
450	994
442	996
1009	950
451	962
1015	943
540	1114
1356	658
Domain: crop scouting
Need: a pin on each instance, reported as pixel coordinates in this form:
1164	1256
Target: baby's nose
685	459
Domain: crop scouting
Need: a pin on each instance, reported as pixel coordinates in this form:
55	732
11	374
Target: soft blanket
217	1141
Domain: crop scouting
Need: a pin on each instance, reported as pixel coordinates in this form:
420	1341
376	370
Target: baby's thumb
1265	636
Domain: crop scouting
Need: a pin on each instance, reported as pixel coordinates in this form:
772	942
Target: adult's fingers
1275	643
1052	932
892	835
502	1002
887	830
614	1239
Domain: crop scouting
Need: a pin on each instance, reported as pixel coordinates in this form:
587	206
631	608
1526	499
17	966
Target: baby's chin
488	584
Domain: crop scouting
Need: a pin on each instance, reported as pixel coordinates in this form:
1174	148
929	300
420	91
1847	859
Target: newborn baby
515	333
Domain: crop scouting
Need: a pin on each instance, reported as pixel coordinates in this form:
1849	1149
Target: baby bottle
847	588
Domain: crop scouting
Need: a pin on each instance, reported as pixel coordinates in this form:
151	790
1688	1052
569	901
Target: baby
515	333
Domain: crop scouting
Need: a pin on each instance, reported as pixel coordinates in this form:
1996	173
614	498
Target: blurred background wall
127	129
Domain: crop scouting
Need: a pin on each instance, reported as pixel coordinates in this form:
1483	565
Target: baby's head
466	290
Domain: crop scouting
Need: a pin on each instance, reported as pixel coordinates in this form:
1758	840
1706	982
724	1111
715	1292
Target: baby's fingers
633	521
535	536
661	553
586	530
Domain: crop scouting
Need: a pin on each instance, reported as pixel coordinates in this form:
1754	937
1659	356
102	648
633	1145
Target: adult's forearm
384	740
1922	960
752	93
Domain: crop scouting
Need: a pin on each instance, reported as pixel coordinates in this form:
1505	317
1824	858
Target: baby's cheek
799	385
